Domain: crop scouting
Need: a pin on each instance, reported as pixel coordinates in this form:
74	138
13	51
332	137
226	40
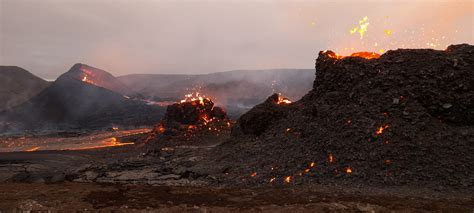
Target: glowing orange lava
381	129
85	79
282	100
33	149
330	158
195	96
348	170
366	55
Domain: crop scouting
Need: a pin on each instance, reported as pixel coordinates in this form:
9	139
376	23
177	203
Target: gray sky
136	36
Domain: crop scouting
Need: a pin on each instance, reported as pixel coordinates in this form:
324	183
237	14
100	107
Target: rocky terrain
18	85
405	118
389	133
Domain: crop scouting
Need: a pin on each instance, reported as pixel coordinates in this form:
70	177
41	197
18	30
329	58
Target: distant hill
237	91
17	86
96	77
71	102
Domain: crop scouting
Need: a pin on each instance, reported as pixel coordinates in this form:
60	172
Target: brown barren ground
127	198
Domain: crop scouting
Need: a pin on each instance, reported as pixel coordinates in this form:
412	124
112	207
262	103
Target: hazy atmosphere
47	37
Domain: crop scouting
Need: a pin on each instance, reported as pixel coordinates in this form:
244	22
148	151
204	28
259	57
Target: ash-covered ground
391	133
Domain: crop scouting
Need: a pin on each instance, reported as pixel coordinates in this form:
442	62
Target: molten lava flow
33	149
366	55
85	79
87	73
109	142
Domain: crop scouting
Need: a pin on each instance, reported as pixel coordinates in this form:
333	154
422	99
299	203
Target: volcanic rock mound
259	118
403	118
193	112
194	120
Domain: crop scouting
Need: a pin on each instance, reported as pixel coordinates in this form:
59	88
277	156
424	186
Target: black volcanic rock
17	86
193	112
71	102
405	118
260	117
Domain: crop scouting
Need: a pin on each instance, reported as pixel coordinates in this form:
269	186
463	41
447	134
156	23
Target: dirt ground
127	198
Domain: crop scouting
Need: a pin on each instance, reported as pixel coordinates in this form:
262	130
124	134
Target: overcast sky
136	36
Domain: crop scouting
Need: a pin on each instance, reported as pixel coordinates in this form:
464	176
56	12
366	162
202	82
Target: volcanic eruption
84	97
402	118
191	117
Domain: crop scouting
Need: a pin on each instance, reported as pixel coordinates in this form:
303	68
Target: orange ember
287	179
330	158
283	100
381	129
253	174
205	118
191	97
160	128
272	180
348	170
